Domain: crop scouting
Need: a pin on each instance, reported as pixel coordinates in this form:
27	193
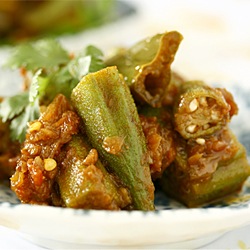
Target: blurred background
216	43
21	20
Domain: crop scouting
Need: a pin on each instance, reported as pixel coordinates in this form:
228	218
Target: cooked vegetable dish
103	133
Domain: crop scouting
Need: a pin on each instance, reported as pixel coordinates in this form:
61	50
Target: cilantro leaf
34	86
79	67
53	72
41	54
14	105
18	125
96	58
22	108
90	60
19	111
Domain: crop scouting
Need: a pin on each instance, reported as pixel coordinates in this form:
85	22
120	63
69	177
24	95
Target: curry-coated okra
84	182
105	104
206	169
160	137
200	110
146	66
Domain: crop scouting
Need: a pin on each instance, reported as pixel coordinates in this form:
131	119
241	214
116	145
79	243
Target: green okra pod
84	182
104	102
146	66
206	169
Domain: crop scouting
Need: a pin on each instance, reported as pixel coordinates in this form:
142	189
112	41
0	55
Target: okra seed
201	141
193	105
191	128
49	164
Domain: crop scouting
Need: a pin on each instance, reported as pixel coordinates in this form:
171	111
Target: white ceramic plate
171	226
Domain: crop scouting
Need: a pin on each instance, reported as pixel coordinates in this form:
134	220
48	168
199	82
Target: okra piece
37	167
146	66
104	102
200	110
84	182
206	170
160	138
173	89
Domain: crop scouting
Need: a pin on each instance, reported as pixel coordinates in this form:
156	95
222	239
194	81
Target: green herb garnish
52	72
